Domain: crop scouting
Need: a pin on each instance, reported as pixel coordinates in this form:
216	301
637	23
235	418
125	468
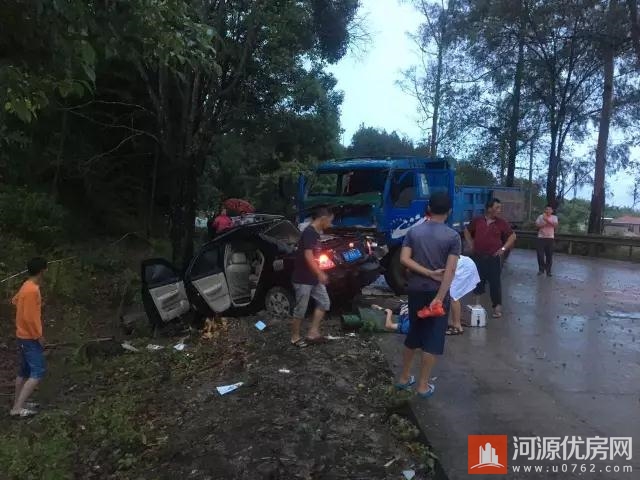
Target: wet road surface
564	360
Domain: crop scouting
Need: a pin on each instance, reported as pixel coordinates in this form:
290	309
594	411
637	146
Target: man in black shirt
309	280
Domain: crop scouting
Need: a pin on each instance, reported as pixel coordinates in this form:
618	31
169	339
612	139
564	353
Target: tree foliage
139	112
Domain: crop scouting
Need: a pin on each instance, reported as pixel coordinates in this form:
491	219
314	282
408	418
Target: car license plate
352	255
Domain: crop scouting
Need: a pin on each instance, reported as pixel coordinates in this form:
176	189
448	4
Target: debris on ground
224	389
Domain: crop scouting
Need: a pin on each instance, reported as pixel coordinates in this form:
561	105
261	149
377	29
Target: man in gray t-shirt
430	252
431	244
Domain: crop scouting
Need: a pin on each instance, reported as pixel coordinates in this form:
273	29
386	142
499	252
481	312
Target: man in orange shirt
28	304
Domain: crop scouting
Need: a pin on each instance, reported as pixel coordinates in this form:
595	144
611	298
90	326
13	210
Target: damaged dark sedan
248	268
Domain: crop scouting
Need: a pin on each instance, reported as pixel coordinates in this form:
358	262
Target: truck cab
386	197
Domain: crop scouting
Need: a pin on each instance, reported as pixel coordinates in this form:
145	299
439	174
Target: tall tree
369	141
443	83
516	96
608	51
565	71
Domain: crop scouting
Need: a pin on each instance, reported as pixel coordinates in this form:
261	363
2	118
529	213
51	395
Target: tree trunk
598	197
59	157
436	99
515	113
635	27
552	174
531	148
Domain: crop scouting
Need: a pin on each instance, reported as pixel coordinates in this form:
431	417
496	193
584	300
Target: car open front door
163	292
206	276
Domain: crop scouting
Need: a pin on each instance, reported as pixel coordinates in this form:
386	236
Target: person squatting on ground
309	281
430	252
32	365
464	281
489	238
547	224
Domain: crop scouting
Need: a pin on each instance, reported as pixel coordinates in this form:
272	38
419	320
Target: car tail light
325	262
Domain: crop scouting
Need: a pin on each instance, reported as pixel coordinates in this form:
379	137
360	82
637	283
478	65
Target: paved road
564	360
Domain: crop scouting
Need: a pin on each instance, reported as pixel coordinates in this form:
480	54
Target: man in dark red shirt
489	238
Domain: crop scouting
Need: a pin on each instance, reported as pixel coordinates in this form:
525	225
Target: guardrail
595	243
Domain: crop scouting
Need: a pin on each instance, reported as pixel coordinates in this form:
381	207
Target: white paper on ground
409	474
260	325
224	389
130	348
179	346
331	337
284	370
153	348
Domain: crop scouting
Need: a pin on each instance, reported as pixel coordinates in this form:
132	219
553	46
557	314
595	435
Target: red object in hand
435	310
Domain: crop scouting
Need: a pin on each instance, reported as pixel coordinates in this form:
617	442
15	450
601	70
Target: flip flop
23	413
454	331
408	385
428	393
300	343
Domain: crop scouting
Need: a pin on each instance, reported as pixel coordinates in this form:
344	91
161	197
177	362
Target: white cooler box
477	316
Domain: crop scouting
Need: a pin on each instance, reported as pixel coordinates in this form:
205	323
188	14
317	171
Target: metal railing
595	243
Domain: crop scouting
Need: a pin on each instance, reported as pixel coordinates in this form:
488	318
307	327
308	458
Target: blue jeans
31	359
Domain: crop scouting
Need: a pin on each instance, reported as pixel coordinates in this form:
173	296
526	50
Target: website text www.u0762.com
572	468
488	454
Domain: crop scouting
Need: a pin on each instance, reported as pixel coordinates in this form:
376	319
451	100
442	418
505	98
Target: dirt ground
324	412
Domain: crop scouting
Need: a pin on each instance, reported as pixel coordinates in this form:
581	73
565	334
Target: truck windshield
347	183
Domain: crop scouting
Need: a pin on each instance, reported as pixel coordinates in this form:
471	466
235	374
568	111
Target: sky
369	81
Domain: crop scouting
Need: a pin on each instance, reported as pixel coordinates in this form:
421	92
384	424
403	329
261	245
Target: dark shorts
428	334
31	359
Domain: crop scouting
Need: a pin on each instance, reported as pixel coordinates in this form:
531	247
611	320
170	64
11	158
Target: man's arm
510	241
540	221
468	238
447	278
314	267
411	264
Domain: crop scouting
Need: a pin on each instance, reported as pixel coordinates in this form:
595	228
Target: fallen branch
76	344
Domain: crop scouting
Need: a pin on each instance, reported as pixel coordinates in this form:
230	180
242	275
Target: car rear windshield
284	231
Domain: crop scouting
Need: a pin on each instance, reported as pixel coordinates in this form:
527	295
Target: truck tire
396	274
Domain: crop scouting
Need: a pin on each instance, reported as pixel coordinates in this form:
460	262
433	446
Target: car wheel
279	302
395	274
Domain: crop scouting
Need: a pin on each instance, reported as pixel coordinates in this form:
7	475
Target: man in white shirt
547	224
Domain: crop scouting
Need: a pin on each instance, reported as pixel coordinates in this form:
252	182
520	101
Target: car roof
247	230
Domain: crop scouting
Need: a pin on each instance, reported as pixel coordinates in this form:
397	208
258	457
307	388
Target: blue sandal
429	392
408	385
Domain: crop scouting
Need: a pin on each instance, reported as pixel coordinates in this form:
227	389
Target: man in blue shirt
430	252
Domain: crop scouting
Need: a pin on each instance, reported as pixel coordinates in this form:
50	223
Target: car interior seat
238	272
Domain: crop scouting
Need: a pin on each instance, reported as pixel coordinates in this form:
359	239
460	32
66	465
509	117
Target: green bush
33	216
44	453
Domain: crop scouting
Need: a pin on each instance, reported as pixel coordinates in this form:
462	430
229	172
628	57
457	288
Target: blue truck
384	198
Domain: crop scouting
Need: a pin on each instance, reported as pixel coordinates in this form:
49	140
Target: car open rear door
163	290
206	275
